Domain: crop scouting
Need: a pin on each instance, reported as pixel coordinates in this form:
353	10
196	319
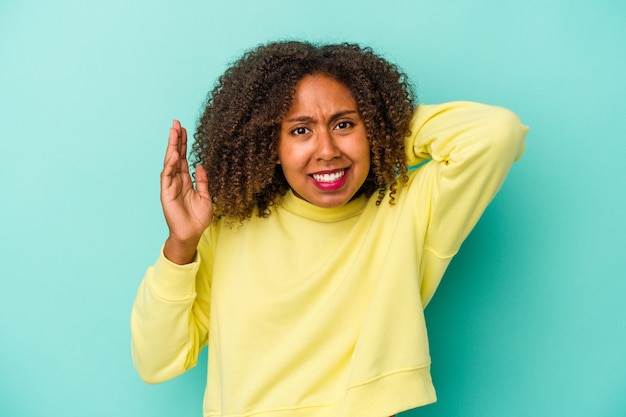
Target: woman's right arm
169	320
170	317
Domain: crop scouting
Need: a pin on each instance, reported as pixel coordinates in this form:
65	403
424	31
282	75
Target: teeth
329	177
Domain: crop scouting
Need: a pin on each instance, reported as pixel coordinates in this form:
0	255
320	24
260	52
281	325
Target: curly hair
236	139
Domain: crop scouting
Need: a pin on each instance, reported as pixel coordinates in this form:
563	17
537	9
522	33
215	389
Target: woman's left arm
471	148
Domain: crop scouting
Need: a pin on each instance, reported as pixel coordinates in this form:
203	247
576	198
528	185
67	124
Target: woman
308	249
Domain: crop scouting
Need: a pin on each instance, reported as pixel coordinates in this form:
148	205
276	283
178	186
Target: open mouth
328	178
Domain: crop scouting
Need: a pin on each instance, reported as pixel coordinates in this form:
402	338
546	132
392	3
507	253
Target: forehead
319	92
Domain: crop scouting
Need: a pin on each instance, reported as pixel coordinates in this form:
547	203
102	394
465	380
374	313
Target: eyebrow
306	119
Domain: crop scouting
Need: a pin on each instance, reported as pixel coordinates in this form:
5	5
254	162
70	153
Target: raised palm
188	210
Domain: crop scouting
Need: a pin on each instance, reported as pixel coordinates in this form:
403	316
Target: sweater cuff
174	282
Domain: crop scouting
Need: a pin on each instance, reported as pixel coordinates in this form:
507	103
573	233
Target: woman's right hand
188	211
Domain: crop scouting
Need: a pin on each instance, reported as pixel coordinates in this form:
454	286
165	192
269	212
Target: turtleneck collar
303	208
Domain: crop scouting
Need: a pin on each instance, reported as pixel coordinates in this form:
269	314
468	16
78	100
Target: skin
188	211
321	135
323	147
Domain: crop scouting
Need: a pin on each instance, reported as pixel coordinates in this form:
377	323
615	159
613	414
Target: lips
330	180
329	177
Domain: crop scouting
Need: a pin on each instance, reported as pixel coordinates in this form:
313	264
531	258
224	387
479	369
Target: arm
170	317
471	147
169	320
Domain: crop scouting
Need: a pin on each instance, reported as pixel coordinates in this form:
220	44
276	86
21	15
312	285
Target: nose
327	149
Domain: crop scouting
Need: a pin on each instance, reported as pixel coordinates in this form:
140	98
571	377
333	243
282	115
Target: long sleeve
169	319
471	148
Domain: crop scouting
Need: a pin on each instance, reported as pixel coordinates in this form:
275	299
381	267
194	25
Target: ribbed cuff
174	282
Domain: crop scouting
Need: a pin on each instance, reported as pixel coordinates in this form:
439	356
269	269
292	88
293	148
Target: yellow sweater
319	312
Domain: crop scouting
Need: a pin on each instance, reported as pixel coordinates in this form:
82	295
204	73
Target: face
323	147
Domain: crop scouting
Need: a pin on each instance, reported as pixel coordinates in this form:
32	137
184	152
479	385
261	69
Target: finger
179	143
183	144
202	182
172	142
169	170
184	164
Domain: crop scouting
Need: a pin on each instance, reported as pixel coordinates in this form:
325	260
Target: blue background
529	321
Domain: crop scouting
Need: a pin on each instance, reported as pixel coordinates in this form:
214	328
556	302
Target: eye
300	131
343	125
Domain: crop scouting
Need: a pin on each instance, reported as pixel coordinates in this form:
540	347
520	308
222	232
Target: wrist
180	252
